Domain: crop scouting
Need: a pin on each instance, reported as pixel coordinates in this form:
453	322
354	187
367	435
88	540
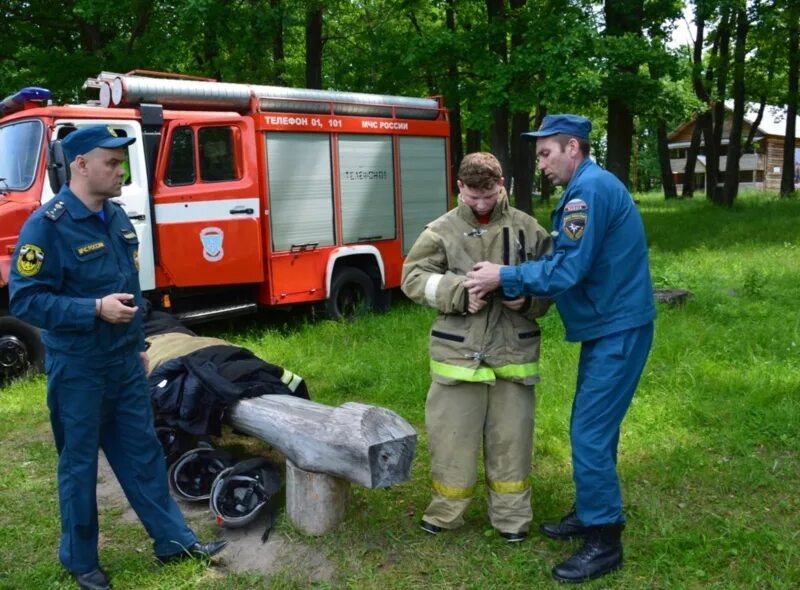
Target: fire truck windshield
20	151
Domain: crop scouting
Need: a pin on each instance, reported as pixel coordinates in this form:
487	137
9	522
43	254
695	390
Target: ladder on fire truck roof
183	92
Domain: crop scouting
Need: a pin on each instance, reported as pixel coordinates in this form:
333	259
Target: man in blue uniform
599	277
75	275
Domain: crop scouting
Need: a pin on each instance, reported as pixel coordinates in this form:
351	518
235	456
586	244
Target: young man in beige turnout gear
484	353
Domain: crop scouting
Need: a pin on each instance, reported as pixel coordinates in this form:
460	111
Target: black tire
21	348
352	292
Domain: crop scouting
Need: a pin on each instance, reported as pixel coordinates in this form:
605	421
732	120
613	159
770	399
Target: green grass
710	450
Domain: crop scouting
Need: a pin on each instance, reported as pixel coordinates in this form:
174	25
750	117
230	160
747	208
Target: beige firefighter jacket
496	342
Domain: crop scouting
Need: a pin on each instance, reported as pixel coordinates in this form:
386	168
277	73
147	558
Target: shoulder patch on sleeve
575	225
574	205
30	259
55	210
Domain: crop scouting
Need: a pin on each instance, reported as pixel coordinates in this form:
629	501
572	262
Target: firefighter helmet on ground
191	476
174	441
240	492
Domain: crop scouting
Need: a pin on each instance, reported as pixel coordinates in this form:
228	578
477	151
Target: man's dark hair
480	170
563	140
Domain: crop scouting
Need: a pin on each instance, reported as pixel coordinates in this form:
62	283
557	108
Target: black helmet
240	492
191	476
174	441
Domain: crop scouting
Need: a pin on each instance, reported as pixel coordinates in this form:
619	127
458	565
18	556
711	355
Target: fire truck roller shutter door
352	292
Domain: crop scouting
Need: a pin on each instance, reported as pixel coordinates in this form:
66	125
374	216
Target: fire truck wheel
21	348
352	292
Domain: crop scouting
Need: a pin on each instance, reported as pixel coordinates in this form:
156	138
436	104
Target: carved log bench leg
315	502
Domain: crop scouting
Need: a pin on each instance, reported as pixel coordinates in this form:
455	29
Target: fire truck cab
241	195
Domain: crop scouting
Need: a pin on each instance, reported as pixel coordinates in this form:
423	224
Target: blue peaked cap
84	140
574	125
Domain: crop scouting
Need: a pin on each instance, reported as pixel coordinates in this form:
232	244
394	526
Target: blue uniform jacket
66	258
598	273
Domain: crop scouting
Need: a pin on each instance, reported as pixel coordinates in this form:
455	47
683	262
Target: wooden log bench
328	448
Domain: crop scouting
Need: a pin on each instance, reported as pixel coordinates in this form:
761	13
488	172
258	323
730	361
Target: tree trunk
691	157
735	140
546	187
278	54
711	156
748	144
718	111
314	47
623	17
620	139
498	134
473	140
521	152
453	101
787	177
667	179
522	162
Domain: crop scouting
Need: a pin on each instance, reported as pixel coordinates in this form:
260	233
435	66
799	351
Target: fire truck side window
180	167
217	158
20	146
65	130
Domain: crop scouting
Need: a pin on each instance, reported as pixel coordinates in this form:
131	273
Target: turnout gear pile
483	365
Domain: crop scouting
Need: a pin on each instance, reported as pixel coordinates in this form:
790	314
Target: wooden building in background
759	169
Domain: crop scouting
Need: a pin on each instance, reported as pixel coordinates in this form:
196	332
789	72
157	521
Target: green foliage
709	454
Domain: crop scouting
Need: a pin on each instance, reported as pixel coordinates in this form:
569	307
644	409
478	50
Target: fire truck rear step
204	315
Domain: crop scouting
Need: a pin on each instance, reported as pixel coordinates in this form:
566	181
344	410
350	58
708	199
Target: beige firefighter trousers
458	418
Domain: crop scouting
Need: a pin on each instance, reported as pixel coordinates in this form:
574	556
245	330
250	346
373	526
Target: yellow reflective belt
291	380
508	487
484	373
452	492
519	371
462	373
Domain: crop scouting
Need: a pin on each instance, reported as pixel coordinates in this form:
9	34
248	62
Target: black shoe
196	551
93	580
600	554
514	537
430	528
570	527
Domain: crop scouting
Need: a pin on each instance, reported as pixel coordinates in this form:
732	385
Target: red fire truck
241	195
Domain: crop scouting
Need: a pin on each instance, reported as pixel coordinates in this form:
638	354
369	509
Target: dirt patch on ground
245	551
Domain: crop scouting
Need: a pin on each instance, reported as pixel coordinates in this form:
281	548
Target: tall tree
453	96
521	152
623	25
700	87
793	25
735	137
498	47
314	45
278	49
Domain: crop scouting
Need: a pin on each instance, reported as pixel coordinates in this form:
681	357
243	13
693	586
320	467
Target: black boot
600	554
570	527
197	551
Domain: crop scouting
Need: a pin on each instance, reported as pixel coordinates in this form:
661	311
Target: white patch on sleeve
430	289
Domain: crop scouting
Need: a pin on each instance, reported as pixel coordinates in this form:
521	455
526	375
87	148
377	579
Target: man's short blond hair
480	170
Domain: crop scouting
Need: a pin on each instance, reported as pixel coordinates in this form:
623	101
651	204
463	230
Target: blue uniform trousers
108	406
608	373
